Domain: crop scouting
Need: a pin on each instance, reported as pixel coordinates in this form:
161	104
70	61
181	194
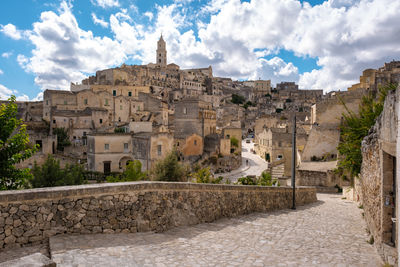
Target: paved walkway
328	233
256	165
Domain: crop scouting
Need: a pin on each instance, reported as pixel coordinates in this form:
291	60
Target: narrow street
330	232
256	165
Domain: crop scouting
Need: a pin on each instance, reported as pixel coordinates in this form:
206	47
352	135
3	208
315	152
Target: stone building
379	179
371	79
150	147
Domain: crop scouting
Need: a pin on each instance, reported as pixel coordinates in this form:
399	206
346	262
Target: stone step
33	260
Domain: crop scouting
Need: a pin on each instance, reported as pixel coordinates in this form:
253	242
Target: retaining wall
32	216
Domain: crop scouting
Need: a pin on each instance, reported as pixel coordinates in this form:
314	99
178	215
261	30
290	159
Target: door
107	167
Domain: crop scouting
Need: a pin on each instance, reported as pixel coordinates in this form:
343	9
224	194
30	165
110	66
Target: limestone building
161	58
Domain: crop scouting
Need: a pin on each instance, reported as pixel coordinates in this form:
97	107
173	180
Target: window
120	107
106	102
195	142
54	121
114	92
85	101
129	93
65	102
138	108
106	146
184	110
84	133
159	150
126	146
101	121
47	102
74	137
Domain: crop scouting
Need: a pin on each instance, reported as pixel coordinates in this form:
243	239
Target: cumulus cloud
7	54
98	21
235	37
63	52
1	72
11	31
5	92
105	3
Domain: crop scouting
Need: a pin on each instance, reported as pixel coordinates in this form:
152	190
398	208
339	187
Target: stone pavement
330	232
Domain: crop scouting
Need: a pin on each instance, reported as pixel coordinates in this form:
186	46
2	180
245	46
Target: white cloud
11	31
4	92
1	72
63	52
149	15
23	98
7	54
98	21
105	3
345	36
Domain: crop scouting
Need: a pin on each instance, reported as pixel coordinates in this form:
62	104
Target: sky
317	44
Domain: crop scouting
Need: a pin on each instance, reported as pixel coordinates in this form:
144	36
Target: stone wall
378	185
32	216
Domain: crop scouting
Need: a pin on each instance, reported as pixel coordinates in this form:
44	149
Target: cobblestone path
328	233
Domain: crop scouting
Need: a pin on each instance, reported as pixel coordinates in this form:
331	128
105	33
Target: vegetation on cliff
355	127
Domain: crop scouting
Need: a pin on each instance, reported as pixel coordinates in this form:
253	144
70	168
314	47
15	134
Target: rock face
32	216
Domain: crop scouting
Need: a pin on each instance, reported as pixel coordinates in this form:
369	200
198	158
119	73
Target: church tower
161	53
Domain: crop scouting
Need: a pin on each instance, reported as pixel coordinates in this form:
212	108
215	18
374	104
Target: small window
129	93
65	102
119	119
138	108
84	133
126	146
114	92
184	110
85	101
101	121
39	143
106	102
47	102
54	121
159	151
195	142
120	107
106	146
74	137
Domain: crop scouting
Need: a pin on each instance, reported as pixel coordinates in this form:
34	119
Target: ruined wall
32	216
377	179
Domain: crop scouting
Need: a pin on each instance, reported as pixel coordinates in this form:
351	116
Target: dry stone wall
32	216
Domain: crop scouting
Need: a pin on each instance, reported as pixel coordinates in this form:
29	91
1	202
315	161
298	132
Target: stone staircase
278	171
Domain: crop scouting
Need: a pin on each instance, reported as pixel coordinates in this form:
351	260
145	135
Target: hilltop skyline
318	45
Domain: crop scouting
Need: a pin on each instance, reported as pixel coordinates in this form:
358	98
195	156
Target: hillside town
143	112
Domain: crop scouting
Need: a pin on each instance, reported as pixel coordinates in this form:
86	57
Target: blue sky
318	44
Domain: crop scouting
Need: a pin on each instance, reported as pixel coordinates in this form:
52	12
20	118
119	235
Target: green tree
355	127
50	174
169	169
133	172
62	138
14	147
237	99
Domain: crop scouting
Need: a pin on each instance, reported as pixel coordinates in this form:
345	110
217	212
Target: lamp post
294	162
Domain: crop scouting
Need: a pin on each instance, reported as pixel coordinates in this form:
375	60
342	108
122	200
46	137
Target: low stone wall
32	216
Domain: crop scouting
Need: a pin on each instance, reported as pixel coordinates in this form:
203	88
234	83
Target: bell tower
161	53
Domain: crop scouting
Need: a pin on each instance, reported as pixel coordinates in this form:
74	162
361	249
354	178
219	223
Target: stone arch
124	161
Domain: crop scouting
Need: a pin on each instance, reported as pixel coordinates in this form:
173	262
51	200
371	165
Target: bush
169	169
204	176
237	99
133	172
50	174
247	181
62	138
234	142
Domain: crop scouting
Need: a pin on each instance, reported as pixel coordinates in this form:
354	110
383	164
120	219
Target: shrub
133	172
234	142
204	176
169	169
237	99
62	138
50	174
246	181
